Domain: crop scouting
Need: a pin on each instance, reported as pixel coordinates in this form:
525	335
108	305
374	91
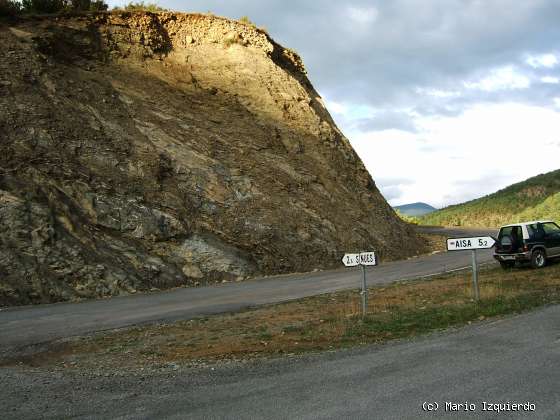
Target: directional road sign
351	260
471	244
465	244
368	258
363	258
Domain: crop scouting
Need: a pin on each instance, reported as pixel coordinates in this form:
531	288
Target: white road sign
363	258
368	258
464	244
351	260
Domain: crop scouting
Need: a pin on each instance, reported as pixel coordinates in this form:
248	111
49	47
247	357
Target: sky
444	101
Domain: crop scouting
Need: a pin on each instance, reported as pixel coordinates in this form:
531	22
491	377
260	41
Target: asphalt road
510	360
36	324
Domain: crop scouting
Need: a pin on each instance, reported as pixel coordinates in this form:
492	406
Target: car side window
550	228
535	231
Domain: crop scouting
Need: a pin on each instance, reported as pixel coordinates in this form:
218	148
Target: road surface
510	360
36	324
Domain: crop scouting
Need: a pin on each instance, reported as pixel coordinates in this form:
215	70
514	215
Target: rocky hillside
533	199
145	151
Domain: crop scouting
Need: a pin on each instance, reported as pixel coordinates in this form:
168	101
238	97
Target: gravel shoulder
501	360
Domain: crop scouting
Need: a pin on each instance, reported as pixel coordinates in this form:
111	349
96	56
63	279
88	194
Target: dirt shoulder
318	323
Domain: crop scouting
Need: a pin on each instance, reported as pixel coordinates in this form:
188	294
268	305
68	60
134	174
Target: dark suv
533	242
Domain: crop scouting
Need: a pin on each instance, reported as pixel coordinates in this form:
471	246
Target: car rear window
505	231
511	231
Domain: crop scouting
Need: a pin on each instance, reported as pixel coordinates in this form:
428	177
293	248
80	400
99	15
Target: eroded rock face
147	151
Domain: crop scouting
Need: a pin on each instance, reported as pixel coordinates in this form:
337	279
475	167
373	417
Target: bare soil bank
144	151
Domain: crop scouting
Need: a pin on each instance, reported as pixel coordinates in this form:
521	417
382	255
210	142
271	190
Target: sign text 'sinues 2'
362	259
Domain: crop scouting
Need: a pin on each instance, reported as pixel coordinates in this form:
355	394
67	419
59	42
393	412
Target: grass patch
323	322
405	323
245	20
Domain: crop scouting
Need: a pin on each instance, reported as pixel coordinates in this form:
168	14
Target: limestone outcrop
145	151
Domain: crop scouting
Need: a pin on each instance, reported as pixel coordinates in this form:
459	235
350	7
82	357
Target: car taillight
525	248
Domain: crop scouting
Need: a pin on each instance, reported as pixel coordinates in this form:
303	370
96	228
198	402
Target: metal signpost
472	244
362	259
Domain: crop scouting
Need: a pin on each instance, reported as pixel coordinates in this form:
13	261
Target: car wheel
506	265
538	258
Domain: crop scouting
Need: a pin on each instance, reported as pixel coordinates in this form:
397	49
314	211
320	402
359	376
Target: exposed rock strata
144	151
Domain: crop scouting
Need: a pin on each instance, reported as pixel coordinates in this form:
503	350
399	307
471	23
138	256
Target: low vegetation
408	219
12	7
317	323
533	199
142	7
246	20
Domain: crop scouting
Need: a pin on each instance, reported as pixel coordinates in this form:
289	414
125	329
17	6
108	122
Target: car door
551	238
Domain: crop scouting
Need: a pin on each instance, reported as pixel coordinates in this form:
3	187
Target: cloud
472	188
392	188
438	93
386	120
336	107
550	79
391	193
499	79
426	88
362	15
456	158
365	118
543	60
380	53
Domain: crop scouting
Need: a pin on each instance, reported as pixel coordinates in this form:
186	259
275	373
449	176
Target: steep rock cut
146	151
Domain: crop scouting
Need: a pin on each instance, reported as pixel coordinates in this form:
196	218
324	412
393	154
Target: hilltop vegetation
14	7
534	198
408	219
142	6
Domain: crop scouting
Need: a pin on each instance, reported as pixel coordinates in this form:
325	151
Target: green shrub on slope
409	219
9	8
142	7
548	209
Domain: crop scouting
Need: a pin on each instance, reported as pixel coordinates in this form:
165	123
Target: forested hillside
534	198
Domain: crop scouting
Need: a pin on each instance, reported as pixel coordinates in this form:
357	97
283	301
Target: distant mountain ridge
535	198
415	209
